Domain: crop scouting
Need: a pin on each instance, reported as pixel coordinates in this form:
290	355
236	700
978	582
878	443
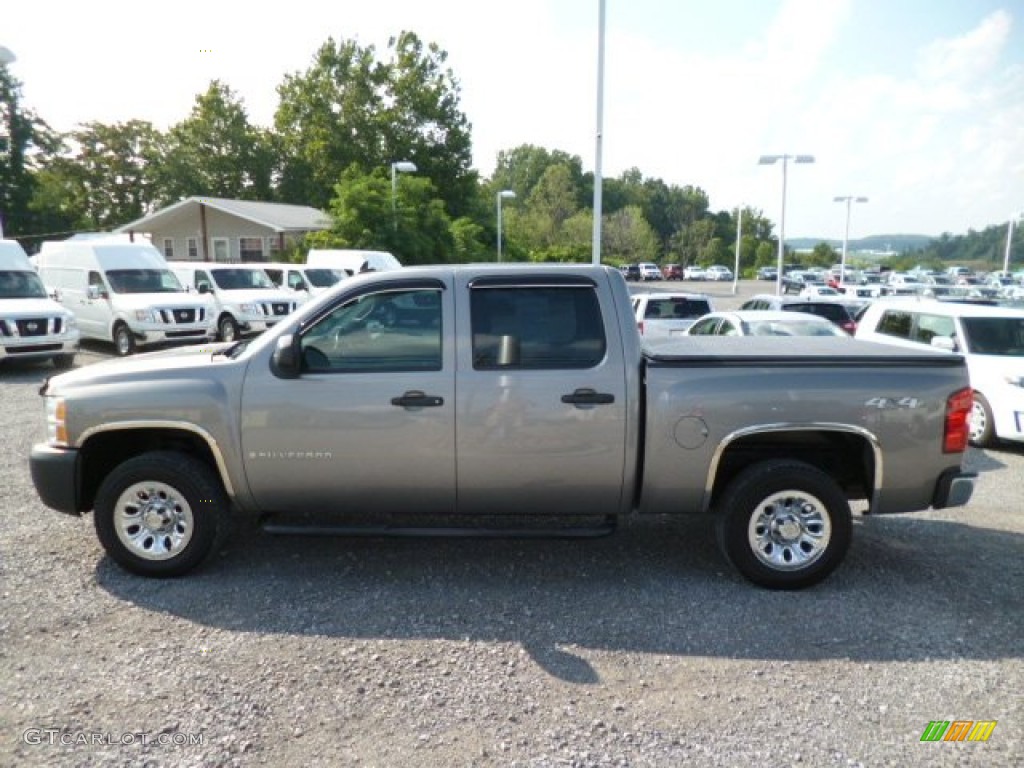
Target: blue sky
917	105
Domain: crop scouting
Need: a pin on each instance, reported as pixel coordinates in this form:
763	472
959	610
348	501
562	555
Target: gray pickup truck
502	399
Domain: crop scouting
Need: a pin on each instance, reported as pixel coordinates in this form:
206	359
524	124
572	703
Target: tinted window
930	326
837	313
994	335
679	308
387	331
542	327
895	323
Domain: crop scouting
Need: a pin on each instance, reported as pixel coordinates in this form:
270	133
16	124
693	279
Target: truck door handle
416	399
586	396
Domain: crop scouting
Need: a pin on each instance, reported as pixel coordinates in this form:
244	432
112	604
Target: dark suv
841	313
631	272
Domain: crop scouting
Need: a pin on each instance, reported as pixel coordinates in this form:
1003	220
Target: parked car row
990	337
649	271
111	289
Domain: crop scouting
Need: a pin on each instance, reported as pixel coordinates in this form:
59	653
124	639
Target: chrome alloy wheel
789	530
978	422
153	520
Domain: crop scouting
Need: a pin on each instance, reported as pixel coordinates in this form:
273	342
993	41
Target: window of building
168	248
193	248
251	248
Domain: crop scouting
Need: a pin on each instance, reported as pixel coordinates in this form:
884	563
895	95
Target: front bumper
55	476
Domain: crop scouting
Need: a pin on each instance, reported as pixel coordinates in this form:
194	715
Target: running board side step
605	528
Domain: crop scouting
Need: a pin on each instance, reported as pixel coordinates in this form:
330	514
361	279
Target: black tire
227	328
124	340
982	427
63	362
784	524
160	514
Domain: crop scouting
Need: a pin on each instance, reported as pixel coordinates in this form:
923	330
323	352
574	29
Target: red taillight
850	328
958	421
640	327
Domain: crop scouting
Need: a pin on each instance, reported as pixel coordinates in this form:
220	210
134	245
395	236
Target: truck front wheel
784	524
158	514
124	341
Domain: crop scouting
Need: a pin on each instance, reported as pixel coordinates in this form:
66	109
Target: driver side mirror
285	361
96	292
203	288
946	343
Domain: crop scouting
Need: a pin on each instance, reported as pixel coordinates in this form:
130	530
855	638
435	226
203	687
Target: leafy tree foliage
26	145
416	228
215	152
102	179
349	109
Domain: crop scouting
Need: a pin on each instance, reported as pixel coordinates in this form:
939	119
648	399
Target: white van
990	338
124	293
303	280
32	325
246	301
353	261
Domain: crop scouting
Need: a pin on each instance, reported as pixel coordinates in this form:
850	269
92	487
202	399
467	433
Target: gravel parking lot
640	649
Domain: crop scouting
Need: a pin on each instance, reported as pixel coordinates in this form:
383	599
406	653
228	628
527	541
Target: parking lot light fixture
505	194
771	160
401	166
849	200
1009	241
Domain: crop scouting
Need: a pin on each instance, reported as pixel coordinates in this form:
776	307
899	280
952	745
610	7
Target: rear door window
895	323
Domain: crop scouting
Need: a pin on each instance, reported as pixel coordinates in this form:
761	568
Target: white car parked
990	338
718	272
667	315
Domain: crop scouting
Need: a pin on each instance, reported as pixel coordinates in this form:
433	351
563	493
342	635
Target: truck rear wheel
784	524
159	514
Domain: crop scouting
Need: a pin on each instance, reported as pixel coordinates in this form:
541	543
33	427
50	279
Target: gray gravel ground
640	649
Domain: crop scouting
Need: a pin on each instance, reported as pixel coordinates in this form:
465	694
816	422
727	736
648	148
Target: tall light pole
1009	240
401	166
505	194
739	237
849	200
6	57
596	248
771	160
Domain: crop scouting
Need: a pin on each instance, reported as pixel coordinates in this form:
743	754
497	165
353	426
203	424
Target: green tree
215	152
349	109
26	144
626	236
104	180
417	229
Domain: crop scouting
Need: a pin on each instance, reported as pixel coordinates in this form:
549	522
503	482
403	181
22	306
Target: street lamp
771	160
849	200
1009	240
401	166
505	194
739	237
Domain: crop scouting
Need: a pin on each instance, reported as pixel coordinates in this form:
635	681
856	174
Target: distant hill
877	243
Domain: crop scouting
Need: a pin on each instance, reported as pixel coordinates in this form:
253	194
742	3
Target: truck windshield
1002	336
21	285
143	281
241	279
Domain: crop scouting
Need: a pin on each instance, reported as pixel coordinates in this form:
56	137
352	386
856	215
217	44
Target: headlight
251	309
56	423
144	315
1016	381
70	322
